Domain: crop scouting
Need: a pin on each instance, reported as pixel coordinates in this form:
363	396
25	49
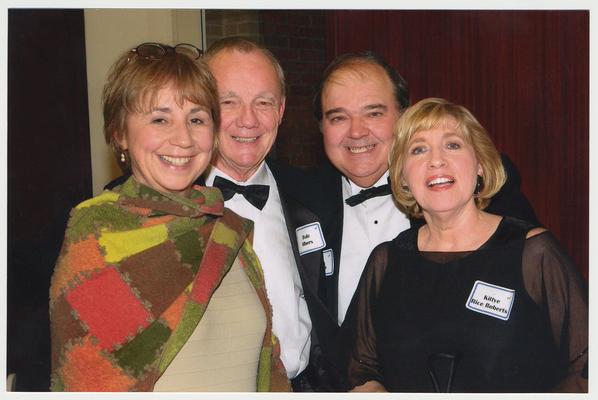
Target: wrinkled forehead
240	63
358	85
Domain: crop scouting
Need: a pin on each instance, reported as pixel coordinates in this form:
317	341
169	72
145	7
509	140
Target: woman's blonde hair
134	82
430	113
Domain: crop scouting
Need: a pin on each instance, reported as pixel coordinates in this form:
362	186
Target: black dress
508	317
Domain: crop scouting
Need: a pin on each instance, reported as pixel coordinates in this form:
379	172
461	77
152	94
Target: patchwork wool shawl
135	274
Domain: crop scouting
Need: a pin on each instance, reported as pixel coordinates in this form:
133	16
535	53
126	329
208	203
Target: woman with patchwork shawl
157	287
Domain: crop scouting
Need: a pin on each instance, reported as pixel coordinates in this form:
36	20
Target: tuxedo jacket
320	192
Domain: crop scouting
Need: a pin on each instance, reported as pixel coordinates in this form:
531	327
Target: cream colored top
222	353
271	242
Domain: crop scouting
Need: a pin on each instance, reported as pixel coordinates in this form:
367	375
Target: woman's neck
461	230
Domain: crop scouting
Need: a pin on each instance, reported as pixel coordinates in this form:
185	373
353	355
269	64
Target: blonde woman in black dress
470	301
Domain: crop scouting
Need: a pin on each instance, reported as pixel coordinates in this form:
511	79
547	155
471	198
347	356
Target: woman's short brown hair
425	115
134	82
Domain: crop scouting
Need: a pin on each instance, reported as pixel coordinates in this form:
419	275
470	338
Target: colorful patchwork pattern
109	308
79	258
87	369
140	352
146	274
133	280
119	245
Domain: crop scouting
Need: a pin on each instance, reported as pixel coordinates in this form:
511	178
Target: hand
370	386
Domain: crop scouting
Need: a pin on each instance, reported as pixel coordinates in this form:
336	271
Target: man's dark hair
400	88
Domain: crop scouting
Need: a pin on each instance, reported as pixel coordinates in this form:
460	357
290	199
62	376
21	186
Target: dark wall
523	74
49	171
298	39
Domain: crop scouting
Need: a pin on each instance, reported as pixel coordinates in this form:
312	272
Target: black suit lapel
334	232
201	180
297	192
296	215
307	264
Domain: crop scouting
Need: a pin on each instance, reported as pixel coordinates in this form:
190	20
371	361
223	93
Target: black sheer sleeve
555	285
363	361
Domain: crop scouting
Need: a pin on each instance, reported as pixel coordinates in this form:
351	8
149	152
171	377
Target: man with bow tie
252	103
358	103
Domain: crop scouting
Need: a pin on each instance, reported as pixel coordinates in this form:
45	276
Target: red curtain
523	74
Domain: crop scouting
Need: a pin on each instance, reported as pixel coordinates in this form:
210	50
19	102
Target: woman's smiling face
441	168
169	144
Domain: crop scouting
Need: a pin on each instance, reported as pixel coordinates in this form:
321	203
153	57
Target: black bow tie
257	195
365	194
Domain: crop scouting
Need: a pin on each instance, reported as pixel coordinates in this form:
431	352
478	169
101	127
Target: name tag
328	262
495	301
310	238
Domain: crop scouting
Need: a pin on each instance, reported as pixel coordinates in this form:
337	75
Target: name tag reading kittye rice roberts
495	301
310	238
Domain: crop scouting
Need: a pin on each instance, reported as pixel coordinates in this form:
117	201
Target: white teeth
244	139
178	161
439	181
361	149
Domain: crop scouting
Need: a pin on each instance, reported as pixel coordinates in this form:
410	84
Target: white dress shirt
365	226
290	319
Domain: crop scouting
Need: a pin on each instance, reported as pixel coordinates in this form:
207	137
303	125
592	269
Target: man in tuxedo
358	103
252	102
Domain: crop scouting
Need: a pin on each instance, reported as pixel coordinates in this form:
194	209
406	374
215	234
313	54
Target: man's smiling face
359	113
251	108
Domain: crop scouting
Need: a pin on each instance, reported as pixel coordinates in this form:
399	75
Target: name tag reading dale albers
310	238
495	301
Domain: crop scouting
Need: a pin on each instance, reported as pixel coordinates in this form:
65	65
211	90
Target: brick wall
298	39
222	23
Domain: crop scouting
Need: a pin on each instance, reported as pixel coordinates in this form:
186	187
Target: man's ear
281	110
